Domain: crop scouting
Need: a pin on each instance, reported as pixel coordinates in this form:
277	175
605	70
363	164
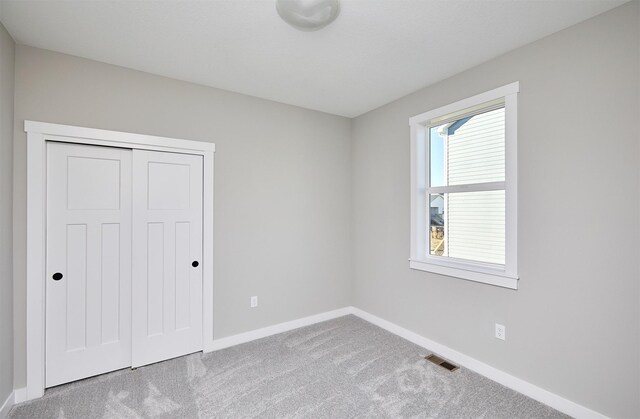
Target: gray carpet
341	368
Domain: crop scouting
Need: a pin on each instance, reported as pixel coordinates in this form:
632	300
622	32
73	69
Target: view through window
465	151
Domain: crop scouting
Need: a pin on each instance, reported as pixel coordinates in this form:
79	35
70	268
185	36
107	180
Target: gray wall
6	178
282	182
577	312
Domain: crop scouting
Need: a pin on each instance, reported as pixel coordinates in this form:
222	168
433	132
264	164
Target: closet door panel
88	254
167	252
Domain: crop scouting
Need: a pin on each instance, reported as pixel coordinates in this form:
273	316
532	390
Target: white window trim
501	275
38	135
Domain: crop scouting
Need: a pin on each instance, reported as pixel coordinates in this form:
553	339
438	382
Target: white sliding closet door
88	261
167	255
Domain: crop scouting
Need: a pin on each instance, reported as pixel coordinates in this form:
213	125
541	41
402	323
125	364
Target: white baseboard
20	395
559	403
7	405
222	343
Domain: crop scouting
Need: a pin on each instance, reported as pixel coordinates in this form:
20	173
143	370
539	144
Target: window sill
499	279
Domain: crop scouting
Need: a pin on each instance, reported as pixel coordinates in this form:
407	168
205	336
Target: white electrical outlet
501	331
254	301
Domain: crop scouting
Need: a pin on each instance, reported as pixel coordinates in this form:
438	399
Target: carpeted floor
341	368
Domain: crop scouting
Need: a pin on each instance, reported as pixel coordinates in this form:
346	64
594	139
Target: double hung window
464	188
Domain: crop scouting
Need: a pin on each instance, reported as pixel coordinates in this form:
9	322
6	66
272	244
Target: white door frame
38	133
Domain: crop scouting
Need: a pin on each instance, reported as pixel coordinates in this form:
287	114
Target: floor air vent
442	362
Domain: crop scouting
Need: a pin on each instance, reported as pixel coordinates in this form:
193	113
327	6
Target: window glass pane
436	224
468	150
468	225
436	157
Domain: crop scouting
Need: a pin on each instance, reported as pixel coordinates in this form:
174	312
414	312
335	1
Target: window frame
494	274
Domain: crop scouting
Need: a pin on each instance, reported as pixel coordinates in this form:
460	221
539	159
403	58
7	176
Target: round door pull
195	263
57	276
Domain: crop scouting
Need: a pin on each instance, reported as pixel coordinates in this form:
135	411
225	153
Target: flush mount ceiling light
308	15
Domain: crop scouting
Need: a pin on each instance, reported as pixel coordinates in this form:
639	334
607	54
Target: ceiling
375	52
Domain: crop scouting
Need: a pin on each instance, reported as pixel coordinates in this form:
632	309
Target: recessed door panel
166	183
102	192
109	306
76	287
183	273
88	283
167	248
155	278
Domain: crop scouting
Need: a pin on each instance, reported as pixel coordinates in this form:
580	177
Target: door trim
38	134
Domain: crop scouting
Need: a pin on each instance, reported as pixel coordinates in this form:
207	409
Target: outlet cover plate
501	331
